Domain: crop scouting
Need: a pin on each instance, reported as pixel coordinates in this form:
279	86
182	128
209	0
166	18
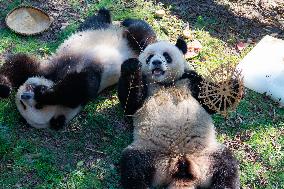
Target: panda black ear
181	45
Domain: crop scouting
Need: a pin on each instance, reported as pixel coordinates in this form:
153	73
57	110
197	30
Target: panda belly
111	59
106	49
173	120
174	130
173	124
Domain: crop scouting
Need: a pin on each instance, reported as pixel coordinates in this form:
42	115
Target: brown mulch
237	18
227	18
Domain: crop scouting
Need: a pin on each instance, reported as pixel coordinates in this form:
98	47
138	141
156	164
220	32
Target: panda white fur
174	138
85	64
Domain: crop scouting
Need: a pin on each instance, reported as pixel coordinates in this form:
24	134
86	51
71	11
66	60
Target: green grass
86	153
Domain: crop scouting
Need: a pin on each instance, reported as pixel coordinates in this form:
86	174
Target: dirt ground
234	18
239	19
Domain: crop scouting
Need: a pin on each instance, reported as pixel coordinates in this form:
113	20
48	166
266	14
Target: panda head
25	102
26	92
164	62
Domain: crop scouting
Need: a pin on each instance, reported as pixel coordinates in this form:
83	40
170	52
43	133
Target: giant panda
175	144
85	64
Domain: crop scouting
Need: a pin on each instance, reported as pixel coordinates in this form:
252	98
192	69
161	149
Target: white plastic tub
263	68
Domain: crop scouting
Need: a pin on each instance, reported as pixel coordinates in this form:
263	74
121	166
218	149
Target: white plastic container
263	68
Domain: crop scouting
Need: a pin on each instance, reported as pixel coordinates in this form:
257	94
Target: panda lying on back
174	143
160	65
85	64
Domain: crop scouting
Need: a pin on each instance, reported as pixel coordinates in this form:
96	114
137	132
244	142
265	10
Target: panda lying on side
174	143
85	64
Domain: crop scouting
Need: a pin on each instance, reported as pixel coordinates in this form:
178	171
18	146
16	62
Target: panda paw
57	123
130	66
4	91
39	93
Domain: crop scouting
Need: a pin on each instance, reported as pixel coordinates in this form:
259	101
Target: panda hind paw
57	123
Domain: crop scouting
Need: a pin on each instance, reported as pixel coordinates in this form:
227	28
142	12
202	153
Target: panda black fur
174	138
85	64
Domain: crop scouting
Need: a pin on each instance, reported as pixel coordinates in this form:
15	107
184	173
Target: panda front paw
5	87
4	91
130	66
39	95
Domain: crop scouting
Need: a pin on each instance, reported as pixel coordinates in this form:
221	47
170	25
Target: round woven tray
27	20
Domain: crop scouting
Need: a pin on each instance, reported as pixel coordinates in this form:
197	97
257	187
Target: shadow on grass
83	155
222	23
255	112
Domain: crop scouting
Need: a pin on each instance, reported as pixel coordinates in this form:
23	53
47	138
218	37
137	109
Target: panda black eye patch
167	57
149	58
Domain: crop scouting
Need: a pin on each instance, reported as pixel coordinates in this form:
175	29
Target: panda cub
85	64
175	142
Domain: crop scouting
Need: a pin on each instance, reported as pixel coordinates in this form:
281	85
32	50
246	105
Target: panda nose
26	96
156	62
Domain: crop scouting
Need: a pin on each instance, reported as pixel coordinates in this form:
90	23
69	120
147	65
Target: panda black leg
72	91
15	71
132	90
195	81
139	34
137	169
99	21
226	171
57	123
